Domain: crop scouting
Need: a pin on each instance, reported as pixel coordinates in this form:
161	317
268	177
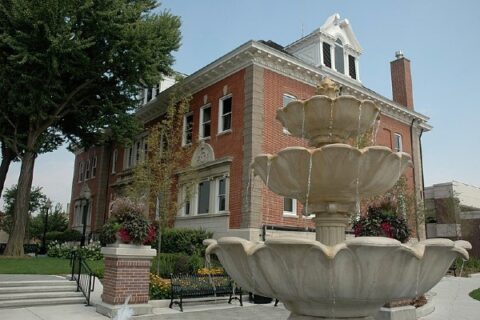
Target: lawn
43	265
475	294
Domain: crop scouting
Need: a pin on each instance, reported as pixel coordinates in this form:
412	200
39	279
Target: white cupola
333	45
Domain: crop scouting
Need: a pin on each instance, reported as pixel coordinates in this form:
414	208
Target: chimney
402	80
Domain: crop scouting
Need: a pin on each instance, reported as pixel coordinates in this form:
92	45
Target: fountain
333	278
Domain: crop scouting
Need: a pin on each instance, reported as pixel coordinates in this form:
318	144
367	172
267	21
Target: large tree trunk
7	157
22	201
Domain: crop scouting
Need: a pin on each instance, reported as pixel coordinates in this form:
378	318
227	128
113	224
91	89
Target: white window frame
184	130
397	142
292	213
201	127
114	160
217	194
87	169
342	47
292	98
81	171
221	115
213	200
94	166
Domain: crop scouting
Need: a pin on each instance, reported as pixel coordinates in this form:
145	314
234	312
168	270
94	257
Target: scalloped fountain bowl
322	119
333	173
349	280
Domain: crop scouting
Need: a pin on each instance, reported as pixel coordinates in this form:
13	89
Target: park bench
203	286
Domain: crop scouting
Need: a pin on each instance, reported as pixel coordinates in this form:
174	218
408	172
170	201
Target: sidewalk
451	302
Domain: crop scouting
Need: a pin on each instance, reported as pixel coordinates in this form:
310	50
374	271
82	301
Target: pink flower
124	235
387	229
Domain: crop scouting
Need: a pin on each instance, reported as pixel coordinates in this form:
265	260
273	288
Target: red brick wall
92	182
385	135
228	144
124	277
274	140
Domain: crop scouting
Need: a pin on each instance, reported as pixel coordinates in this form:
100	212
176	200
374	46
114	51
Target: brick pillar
127	273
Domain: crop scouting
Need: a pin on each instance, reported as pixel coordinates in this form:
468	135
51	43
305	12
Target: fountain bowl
323	120
336	173
349	280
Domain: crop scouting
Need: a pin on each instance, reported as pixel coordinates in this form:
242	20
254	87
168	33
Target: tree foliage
36	203
57	221
70	70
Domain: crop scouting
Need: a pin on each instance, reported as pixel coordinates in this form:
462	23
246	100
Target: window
339	59
352	69
289	206
187	129
205	121
81	172
287	98
203	197
221	194
209	197
327	55
87	169
397	143
114	160
94	166
225	120
138	151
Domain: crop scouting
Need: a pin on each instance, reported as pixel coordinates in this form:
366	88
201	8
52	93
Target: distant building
453	211
232	114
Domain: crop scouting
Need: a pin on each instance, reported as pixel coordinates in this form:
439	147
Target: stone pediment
203	153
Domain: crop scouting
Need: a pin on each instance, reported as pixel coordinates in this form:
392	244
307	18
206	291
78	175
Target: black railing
83	275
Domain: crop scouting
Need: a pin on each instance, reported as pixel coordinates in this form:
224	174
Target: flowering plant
382	221
127	224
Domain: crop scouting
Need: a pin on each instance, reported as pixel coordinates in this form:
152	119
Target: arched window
339	59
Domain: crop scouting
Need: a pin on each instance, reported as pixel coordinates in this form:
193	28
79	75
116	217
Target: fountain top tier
327	118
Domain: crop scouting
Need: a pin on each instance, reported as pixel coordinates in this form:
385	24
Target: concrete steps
21	294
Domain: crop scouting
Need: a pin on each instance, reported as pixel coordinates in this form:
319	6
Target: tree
154	179
37	202
70	70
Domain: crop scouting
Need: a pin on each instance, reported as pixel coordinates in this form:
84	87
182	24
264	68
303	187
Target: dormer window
327	56
339	59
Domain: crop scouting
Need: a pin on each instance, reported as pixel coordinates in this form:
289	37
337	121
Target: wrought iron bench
202	286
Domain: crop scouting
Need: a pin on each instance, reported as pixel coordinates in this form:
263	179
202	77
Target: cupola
333	45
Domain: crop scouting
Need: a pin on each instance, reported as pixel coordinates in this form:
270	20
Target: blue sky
441	38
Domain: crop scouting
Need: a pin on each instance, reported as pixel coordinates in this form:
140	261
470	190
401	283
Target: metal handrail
83	275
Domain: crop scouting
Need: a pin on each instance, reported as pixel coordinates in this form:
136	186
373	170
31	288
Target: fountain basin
323	120
349	280
337	173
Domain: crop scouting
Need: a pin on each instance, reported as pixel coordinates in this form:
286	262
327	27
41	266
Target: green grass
475	294
44	265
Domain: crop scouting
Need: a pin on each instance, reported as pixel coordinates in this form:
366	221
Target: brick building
232	115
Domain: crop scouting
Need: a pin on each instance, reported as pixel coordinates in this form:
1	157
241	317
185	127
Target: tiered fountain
332	278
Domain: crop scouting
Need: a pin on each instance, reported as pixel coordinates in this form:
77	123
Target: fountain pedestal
331	221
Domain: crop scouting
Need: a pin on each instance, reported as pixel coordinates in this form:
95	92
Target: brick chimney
402	80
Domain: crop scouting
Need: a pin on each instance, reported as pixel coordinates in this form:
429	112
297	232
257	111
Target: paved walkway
450	298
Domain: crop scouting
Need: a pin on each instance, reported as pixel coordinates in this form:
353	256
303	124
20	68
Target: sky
441	39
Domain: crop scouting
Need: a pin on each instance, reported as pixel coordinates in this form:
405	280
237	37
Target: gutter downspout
414	180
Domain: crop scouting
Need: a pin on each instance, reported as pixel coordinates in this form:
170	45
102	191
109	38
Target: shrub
128	223
187	241
64	250
159	288
176	263
65	236
382	221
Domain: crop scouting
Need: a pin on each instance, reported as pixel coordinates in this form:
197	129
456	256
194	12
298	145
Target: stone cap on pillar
128	251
